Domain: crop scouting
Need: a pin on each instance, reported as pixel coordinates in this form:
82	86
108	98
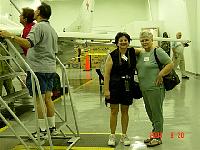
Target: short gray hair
146	34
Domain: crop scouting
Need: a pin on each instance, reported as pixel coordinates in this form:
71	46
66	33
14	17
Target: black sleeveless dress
120	69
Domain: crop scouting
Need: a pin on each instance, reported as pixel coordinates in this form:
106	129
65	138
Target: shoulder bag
170	80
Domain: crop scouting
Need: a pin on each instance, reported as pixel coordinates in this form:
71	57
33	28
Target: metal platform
87	142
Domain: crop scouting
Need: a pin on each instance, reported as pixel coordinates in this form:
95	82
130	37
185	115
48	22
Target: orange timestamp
179	135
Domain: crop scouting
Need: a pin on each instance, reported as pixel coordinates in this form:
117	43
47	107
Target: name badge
146	58
124	57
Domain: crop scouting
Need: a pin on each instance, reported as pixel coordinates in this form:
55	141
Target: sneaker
43	134
154	142
148	140
53	131
125	140
33	110
111	141
185	77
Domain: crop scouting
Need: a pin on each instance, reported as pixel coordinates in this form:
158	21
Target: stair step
5	57
11	75
19	94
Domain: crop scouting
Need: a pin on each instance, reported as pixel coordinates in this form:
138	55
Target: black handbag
170	80
133	87
136	92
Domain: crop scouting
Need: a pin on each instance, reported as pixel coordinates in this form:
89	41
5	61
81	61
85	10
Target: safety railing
35	85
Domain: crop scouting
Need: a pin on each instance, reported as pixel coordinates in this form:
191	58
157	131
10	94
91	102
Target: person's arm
174	50
162	44
137	50
108	67
21	41
174	46
168	65
165	71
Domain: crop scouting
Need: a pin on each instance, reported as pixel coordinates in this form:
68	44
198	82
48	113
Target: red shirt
25	33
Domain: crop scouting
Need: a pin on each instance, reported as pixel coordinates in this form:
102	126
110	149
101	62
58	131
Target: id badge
124	57
146	58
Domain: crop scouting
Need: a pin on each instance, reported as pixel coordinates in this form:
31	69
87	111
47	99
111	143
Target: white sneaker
42	134
125	140
33	110
111	141
53	131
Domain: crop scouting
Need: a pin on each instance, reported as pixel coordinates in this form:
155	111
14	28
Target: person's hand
159	79
5	34
107	94
157	46
175	55
186	45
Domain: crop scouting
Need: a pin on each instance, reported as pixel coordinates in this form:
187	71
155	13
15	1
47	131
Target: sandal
148	140
154	142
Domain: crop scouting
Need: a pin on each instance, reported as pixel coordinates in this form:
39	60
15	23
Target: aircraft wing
10	26
97	36
85	36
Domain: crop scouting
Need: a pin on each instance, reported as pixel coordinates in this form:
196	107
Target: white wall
197	37
179	16
64	13
135	27
154	7
193	7
119	12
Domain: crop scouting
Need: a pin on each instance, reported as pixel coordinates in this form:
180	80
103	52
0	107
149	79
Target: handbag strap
157	60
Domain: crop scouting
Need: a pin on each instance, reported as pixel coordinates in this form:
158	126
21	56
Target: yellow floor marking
60	98
21	147
94	133
3	129
83	85
55	101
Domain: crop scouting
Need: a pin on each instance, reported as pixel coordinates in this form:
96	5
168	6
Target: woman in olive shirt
151	84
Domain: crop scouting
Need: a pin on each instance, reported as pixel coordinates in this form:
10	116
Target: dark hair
45	10
119	35
28	14
165	34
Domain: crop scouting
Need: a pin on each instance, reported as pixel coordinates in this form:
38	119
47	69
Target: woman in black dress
119	68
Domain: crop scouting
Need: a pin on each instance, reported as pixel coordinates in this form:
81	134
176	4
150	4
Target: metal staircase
9	74
5	100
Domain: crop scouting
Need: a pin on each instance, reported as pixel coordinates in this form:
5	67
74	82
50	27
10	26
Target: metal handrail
15	61
65	79
35	81
33	77
18	121
11	1
35	84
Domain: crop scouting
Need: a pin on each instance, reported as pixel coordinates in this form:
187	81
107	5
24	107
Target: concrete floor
181	115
